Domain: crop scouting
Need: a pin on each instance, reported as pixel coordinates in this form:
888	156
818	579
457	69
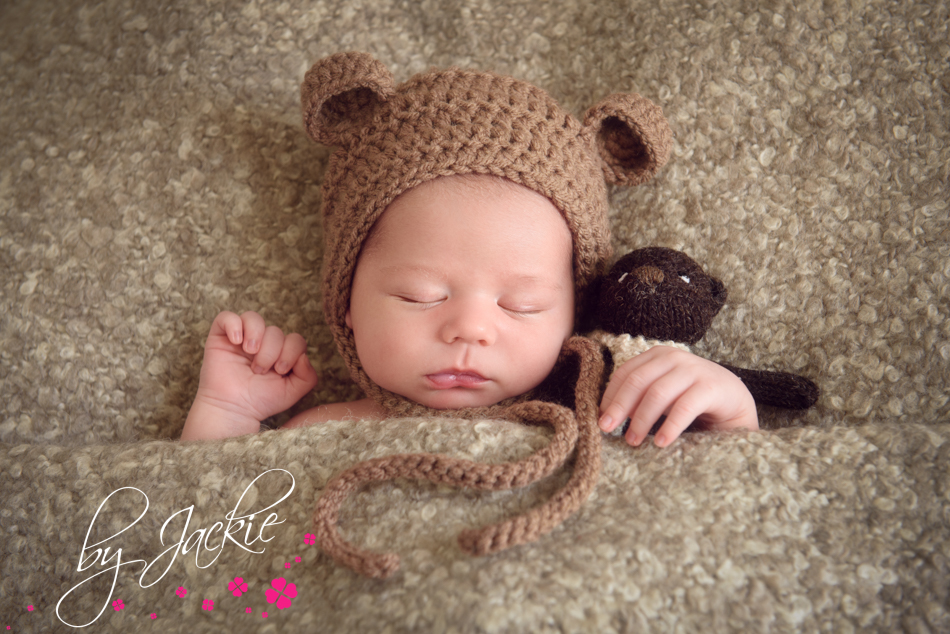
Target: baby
465	215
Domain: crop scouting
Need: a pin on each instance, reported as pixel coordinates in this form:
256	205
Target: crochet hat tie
572	430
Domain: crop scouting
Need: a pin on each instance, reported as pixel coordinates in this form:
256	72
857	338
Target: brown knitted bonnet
446	122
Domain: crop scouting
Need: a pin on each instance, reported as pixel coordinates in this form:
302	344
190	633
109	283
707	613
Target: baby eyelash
417	302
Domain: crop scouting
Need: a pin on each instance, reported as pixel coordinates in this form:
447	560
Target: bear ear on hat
341	93
632	136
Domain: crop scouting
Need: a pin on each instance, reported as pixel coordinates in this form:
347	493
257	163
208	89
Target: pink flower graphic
287	564
263	615
30	608
118	605
153	616
309	539
181	592
238	586
207	604
297	560
281	593
248	610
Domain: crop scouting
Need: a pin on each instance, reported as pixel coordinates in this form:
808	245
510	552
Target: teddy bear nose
649	275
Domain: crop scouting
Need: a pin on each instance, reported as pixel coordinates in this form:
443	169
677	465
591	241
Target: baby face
463	295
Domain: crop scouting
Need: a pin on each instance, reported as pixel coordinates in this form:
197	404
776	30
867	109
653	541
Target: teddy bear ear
632	136
718	292
341	93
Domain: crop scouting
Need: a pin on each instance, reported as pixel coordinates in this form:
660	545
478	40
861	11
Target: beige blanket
154	171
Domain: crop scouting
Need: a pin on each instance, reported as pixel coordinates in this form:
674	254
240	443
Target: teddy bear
656	295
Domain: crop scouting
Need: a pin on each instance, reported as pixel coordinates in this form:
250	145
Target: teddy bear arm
777	389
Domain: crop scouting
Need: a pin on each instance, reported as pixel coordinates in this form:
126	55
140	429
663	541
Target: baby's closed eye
424	300
524	305
521	308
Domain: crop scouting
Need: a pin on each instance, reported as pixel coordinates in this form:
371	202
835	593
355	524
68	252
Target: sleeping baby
465	217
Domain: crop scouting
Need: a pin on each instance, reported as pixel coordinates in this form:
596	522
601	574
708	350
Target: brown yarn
634	138
572	430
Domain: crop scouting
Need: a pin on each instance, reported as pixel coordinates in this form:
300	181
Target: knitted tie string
540	520
459	472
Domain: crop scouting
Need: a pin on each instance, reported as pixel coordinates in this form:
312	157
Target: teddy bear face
659	293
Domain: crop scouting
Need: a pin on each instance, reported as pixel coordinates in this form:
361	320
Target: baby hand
672	382
250	372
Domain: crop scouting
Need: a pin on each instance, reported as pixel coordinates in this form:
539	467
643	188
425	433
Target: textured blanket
154	171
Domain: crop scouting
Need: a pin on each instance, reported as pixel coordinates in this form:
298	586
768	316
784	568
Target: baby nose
469	322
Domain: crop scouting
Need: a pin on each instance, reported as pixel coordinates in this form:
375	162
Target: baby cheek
378	360
538	355
389	344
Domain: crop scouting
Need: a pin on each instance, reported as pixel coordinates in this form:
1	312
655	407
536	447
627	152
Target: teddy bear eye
685	278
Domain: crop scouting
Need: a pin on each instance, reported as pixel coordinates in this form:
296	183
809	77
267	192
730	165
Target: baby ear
632	135
341	93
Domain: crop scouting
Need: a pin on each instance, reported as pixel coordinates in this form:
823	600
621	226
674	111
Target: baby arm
684	387
250	372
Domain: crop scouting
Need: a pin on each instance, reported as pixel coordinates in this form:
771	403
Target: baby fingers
302	377
674	395
271	347
679	385
630	383
689	406
294	348
254	331
229	326
245	330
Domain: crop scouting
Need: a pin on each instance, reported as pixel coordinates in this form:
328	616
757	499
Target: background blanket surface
154	171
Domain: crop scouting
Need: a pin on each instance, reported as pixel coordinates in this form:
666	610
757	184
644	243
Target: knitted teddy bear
657	295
